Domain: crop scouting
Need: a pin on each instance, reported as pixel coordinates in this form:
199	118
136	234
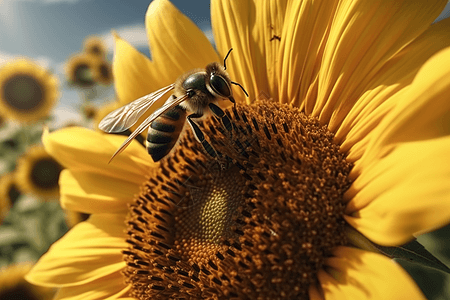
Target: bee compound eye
190	93
220	86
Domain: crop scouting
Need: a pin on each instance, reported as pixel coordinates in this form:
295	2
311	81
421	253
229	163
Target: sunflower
27	91
38	173
89	111
8	194
104	72
95	46
353	133
81	70
14	286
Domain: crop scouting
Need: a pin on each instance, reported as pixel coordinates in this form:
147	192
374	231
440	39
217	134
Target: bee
193	93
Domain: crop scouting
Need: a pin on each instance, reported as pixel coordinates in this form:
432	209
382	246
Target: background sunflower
95	45
38	173
104	72
81	70
27	91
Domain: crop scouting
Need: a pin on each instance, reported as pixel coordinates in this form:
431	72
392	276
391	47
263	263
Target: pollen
255	222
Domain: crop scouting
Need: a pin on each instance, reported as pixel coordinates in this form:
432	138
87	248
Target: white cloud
137	36
209	34
51	1
43	61
4	57
59	68
64	115
58	1
134	34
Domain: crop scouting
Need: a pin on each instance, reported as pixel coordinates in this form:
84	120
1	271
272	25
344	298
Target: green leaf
416	253
412	252
9	236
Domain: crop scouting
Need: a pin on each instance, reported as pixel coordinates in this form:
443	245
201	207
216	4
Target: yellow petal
177	44
357	274
89	251
134	74
397	73
85	150
301	49
265	45
249	28
404	194
92	193
108	287
314	293
363	37
231	30
422	111
363	131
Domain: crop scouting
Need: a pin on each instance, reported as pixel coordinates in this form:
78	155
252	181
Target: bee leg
200	136
218	112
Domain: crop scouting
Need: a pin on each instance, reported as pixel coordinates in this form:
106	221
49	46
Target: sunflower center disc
104	71
22	291
257	222
45	173
95	50
83	75
23	92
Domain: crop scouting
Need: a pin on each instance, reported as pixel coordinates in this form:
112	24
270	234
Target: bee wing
169	104
126	116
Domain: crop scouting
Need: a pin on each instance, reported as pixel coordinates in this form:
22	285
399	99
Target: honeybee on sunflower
352	138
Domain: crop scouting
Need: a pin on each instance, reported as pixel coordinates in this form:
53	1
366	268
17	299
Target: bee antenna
245	92
225	59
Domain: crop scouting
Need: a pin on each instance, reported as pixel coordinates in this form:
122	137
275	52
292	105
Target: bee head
218	82
193	84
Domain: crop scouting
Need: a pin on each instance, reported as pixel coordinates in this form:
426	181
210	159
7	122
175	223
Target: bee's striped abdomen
164	131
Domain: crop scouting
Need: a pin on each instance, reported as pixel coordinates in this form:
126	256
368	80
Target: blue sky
49	31
56	28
